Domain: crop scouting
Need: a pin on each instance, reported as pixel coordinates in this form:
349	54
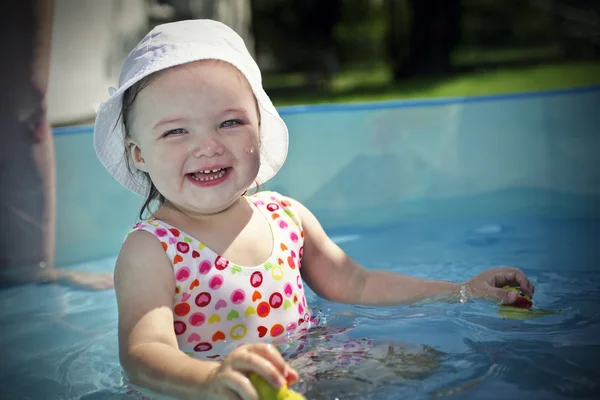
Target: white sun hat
174	44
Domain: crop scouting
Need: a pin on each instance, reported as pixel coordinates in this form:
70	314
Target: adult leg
27	165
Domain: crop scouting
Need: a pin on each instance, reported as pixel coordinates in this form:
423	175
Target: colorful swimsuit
219	305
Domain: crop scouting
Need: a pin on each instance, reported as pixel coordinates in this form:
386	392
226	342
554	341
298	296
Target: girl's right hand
230	379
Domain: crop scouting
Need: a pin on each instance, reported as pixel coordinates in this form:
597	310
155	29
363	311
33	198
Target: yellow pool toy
521	308
523	300
267	392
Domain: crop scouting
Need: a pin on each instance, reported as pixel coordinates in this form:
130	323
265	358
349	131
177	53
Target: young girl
214	277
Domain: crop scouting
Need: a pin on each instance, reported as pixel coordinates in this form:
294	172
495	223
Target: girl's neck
174	215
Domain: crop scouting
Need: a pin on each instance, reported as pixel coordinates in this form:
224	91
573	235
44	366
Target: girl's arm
336	277
148	348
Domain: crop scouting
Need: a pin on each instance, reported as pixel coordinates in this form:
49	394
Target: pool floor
61	343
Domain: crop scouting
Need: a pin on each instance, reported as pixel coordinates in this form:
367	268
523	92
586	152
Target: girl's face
195	130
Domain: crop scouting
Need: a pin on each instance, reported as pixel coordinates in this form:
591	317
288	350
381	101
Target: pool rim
386	104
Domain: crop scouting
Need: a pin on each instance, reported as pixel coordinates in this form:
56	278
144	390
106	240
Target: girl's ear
135	152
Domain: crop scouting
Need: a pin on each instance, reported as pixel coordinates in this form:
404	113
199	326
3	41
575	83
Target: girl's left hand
488	284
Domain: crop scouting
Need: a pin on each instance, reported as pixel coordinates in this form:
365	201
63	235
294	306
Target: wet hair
129	97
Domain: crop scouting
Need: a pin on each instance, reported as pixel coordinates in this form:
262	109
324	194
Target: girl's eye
231	122
177	131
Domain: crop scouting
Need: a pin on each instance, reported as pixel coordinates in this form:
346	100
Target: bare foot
81	279
87	279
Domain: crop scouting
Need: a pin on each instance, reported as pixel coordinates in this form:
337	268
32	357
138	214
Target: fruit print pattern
219	305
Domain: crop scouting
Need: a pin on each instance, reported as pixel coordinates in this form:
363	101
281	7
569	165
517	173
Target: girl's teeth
197	176
208	171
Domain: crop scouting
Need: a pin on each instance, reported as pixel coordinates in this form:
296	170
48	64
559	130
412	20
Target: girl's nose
208	147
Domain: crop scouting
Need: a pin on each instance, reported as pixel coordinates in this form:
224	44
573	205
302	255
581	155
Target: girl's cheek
168	151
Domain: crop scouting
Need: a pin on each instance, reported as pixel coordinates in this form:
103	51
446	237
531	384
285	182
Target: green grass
375	84
466	56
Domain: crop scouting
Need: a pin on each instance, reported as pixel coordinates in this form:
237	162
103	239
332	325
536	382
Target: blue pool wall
373	164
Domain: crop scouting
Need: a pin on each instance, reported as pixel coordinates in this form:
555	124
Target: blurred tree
234	13
360	31
425	44
417	37
299	34
577	23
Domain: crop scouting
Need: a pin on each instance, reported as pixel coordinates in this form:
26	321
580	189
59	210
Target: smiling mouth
208	174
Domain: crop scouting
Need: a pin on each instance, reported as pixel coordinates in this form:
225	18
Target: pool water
61	343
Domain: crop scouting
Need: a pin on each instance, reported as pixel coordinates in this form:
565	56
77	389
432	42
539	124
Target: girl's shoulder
152	225
275	200
160	229
268	196
142	251
152	233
